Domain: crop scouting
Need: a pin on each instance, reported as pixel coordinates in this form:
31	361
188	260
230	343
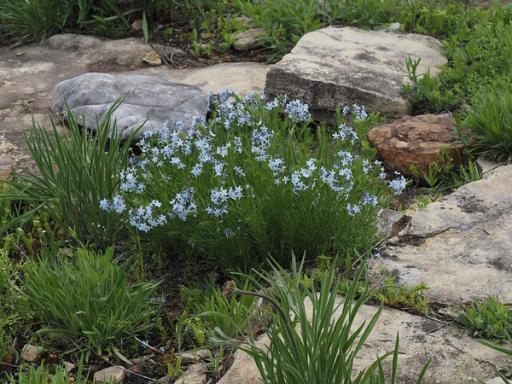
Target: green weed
488	123
489	319
232	314
74	172
45	375
87	299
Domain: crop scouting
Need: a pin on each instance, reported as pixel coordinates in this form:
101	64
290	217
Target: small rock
32	353
165	380
415	142
152	58
188	357
244	20
391	27
249	39
137	25
68	366
115	375
195	374
202	354
486	165
194	356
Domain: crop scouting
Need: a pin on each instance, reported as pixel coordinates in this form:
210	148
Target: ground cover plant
87	299
255	180
490	319
488	123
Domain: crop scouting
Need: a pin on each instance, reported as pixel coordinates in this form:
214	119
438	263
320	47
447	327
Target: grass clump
488	124
87	298
254	180
489	319
73	172
397	295
314	337
45	375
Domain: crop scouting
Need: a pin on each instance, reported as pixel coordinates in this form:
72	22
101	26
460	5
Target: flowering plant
258	178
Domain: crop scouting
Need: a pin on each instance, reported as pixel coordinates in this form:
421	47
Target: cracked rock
460	246
455	357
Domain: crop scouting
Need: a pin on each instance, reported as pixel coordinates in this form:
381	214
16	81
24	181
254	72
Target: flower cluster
241	171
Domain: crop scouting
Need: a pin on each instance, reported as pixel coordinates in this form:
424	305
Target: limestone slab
460	246
333	66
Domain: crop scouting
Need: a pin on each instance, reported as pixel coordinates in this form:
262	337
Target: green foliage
232	314
305	346
41	18
489	318
488	123
444	174
478	50
74	171
237	191
397	295
424	91
45	375
284	21
87	298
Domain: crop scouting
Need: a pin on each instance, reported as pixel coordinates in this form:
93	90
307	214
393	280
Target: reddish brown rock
415	141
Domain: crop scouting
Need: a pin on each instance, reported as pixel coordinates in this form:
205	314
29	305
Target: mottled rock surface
335	66
30	72
456	358
111	375
460	246
249	39
416	142
195	374
149	100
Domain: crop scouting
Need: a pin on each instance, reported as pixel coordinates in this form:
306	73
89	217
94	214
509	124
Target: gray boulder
149	100
335	66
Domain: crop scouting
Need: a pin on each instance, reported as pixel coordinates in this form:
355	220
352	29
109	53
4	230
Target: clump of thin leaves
43	375
87	299
314	337
74	170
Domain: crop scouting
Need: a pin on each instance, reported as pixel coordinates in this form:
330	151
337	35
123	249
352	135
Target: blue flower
398	185
182	205
297	111
129	182
353	209
276	165
370	200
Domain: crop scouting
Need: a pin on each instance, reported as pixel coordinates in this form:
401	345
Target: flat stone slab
460	246
455	357
333	66
242	77
149	100
29	73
